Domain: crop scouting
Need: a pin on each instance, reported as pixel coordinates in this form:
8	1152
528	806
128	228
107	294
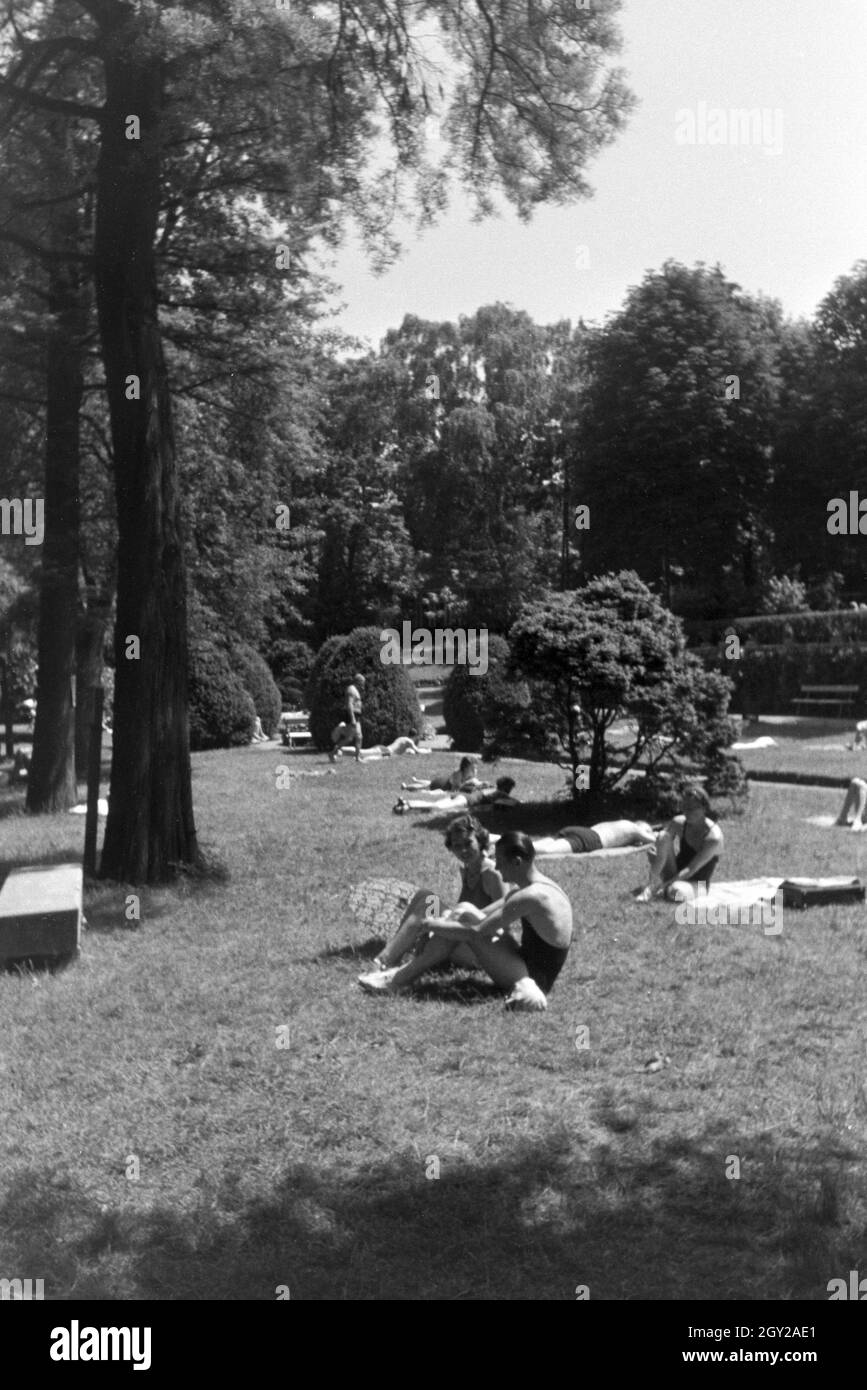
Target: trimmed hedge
260	685
221	712
389	702
768	679
778	629
466	697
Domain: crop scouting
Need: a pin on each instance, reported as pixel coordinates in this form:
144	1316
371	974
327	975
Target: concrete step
40	911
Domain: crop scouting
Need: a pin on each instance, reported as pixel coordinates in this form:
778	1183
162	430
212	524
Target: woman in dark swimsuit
536	903
699	846
481	885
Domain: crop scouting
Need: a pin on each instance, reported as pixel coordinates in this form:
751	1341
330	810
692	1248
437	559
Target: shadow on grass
363	950
533	1223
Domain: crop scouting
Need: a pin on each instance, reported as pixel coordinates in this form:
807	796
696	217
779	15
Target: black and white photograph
433	667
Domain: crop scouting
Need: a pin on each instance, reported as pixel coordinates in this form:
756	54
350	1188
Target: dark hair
469	763
471	826
695	789
505	784
516	845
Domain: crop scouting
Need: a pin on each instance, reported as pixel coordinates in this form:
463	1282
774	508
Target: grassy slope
305	1166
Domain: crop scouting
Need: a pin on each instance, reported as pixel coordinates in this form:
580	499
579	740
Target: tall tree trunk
92	624
51	784
150	830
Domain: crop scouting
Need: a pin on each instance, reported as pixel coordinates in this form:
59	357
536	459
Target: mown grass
305	1166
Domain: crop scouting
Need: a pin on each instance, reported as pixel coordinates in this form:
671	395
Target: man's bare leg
856	800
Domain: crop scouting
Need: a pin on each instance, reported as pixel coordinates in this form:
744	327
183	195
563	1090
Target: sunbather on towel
585	839
501	795
699	841
463	779
854	800
398	746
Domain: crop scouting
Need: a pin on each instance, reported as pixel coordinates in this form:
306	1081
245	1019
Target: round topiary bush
257	680
222	714
474	704
320	661
390	703
291	663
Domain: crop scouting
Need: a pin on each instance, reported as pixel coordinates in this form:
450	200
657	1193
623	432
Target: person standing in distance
351	719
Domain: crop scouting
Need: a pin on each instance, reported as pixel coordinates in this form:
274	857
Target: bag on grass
815	892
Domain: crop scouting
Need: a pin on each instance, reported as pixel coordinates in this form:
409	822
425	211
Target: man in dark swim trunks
536	903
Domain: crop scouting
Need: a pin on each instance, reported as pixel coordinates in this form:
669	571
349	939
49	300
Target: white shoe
527	997
379	982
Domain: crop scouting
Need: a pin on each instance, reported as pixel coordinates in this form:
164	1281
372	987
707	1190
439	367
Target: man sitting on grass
536	903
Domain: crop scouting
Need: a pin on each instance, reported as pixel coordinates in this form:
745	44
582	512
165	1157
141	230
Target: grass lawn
806	748
307	1165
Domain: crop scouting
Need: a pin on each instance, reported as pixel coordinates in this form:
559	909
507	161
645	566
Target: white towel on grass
765	741
739	893
824	821
81	808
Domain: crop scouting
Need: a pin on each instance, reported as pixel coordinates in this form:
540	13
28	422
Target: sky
784	214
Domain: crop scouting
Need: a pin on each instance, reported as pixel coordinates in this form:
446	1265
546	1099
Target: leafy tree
613	652
473	704
257	680
821	450
677	428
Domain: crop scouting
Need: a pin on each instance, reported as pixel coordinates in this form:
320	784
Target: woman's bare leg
663	863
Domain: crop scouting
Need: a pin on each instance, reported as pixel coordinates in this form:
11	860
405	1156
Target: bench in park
295	728
40	912
841	697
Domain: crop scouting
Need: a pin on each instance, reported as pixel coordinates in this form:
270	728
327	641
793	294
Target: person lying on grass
699	841
535	903
584	839
463	779
398	746
854	800
481	885
501	795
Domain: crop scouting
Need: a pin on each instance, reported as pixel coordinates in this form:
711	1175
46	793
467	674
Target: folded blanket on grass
824	822
765	741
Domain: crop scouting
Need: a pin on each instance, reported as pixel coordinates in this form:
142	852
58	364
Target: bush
260	685
222	714
320	661
468	698
291	663
390	702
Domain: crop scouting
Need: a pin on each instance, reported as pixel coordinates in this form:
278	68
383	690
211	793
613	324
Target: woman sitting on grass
699	845
501	795
481	885
537	904
854	800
